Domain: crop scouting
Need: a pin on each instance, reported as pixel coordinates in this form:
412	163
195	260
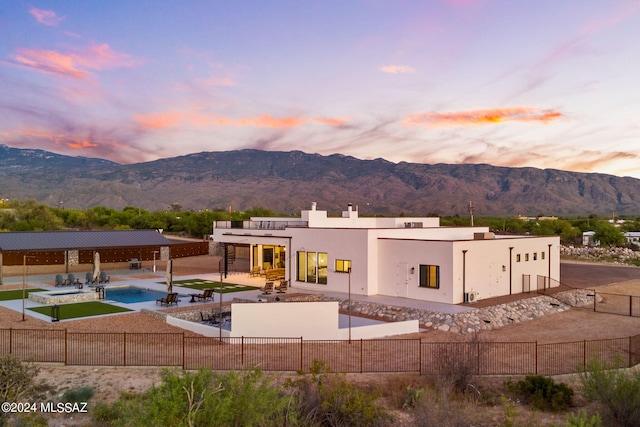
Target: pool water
129	295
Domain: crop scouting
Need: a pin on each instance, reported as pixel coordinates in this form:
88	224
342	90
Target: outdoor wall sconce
504	268
413	270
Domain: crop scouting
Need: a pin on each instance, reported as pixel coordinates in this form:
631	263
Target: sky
541	83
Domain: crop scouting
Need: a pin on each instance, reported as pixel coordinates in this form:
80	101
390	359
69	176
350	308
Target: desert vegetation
29	215
602	395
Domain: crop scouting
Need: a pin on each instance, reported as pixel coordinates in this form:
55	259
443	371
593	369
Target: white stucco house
406	257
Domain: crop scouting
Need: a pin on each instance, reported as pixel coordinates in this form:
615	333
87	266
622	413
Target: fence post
241	350
301	351
630	306
124	353
420	356
595	298
584	355
478	356
10	340
66	345
536	358
361	355
184	349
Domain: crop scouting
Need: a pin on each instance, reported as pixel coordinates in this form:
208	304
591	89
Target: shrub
81	394
326	398
617	390
16	380
582	419
245	398
543	393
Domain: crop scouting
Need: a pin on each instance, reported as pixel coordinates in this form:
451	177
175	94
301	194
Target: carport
78	247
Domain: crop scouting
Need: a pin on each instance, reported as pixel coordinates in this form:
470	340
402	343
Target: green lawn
81	309
17	293
201	284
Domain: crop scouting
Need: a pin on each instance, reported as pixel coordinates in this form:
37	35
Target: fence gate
526	283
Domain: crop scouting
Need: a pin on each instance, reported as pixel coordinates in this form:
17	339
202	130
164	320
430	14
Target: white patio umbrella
96	267
169	273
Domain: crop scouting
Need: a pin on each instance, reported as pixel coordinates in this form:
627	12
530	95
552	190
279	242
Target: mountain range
287	182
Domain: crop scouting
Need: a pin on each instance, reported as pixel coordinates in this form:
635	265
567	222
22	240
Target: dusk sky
542	83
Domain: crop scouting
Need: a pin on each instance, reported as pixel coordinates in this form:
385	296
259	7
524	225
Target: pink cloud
481	117
46	17
71	64
172	119
397	69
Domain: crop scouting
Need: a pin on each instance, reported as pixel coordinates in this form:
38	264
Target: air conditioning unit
471	296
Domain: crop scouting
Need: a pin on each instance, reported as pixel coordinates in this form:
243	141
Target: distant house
632	237
588	238
405	257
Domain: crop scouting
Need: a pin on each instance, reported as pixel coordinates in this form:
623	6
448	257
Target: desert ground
108	382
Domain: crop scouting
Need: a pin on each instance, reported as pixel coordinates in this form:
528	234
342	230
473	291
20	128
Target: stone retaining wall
478	319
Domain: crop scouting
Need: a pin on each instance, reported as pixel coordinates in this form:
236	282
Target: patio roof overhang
247	239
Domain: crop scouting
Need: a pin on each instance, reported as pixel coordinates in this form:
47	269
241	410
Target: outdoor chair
88	278
59	280
71	280
206	295
206	318
282	287
267	288
170	299
104	278
255	271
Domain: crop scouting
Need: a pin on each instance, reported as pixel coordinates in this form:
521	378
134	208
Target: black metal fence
297	354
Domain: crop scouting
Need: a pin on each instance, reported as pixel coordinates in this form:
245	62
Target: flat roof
65	240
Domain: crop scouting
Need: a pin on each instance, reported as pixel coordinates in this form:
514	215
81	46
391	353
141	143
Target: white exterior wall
483	262
310	320
396	258
347	244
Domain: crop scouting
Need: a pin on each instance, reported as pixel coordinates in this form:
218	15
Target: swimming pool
131	294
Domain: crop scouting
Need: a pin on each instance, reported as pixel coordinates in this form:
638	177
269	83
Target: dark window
430	276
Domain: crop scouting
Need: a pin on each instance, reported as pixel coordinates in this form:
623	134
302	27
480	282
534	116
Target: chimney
313	206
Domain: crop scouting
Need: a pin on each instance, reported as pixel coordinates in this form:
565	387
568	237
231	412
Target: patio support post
510	267
226	261
349	272
549	273
464	273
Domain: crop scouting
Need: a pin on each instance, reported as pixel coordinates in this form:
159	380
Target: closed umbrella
169	277
96	267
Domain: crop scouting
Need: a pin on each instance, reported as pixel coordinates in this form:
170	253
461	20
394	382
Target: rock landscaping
473	321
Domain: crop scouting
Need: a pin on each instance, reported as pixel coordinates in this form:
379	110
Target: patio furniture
170	299
71	280
206	295
135	264
255	271
206	318
104	278
282	287
88	278
59	280
267	288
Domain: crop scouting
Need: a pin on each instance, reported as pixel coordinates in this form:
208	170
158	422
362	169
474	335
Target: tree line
30	215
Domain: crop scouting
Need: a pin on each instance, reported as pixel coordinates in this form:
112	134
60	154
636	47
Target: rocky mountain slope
290	181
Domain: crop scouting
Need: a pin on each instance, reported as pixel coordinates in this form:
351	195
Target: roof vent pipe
313	206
